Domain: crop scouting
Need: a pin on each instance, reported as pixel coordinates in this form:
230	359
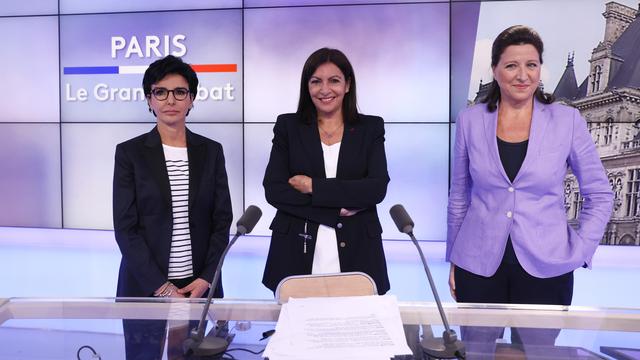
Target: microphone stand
447	347
197	344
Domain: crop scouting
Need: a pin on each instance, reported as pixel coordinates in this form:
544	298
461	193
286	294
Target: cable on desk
247	350
94	354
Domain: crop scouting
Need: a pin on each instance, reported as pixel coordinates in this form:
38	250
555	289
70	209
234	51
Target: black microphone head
401	218
249	219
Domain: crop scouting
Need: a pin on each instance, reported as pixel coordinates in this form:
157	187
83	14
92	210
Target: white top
325	256
180	261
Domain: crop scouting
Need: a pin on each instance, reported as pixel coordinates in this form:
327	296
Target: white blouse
325	256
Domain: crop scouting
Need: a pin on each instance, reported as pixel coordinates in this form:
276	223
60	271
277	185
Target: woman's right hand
168	290
452	281
176	294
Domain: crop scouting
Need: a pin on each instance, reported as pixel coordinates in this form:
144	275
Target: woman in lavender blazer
508	240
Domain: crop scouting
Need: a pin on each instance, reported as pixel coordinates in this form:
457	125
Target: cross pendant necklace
329	135
305	236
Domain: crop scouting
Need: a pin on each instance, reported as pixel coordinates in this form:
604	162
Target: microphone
248	220
447	347
197	344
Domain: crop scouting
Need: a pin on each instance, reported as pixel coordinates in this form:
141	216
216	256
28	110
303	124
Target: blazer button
339	225
511	189
509	214
342	244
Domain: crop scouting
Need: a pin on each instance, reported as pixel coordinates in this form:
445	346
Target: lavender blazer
485	207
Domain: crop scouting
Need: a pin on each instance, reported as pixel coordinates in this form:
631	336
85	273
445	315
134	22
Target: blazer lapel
310	138
197	159
490	126
539	122
352	138
157	164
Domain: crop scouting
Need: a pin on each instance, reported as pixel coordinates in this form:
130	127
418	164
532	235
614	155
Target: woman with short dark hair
171	203
171	206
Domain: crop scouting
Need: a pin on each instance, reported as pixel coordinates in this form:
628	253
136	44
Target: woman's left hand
301	183
346	212
196	289
452	281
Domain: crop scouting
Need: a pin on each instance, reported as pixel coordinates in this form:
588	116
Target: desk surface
58	328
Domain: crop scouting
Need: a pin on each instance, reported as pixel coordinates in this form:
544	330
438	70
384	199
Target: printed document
353	328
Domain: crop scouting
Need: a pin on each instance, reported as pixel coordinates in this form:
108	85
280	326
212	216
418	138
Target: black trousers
511	284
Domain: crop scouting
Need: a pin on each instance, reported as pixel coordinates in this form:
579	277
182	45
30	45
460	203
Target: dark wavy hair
514	35
166	66
306	110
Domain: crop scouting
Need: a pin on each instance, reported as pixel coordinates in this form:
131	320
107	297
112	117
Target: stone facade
614	123
613	119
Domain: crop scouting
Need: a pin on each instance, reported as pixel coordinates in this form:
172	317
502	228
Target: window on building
607	238
608	131
595	78
576	204
631	198
596	132
567	196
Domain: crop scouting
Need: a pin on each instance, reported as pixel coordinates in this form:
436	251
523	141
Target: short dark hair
306	109
166	66
514	35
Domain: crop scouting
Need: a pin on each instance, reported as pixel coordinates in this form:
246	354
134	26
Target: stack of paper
348	328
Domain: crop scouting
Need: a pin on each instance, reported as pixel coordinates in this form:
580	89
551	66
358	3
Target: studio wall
72	74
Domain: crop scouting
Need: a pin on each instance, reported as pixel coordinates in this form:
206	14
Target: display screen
103	58
73	71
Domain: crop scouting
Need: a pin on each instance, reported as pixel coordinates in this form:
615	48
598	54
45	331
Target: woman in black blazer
327	172
171	207
171	203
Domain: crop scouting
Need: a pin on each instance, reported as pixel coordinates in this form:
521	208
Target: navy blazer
142	211
360	183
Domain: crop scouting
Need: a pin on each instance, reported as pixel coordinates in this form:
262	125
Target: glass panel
464	24
30	168
395	80
88	173
417	157
31	7
104	57
29	70
270	3
256	157
81	6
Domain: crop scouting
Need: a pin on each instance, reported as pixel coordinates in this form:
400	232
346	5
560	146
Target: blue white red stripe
133	69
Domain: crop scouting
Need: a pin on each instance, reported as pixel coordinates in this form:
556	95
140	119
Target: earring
150	109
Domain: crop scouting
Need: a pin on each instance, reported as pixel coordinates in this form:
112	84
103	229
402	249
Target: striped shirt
180	262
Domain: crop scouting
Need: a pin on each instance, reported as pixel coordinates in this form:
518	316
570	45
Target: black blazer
360	183
142	211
